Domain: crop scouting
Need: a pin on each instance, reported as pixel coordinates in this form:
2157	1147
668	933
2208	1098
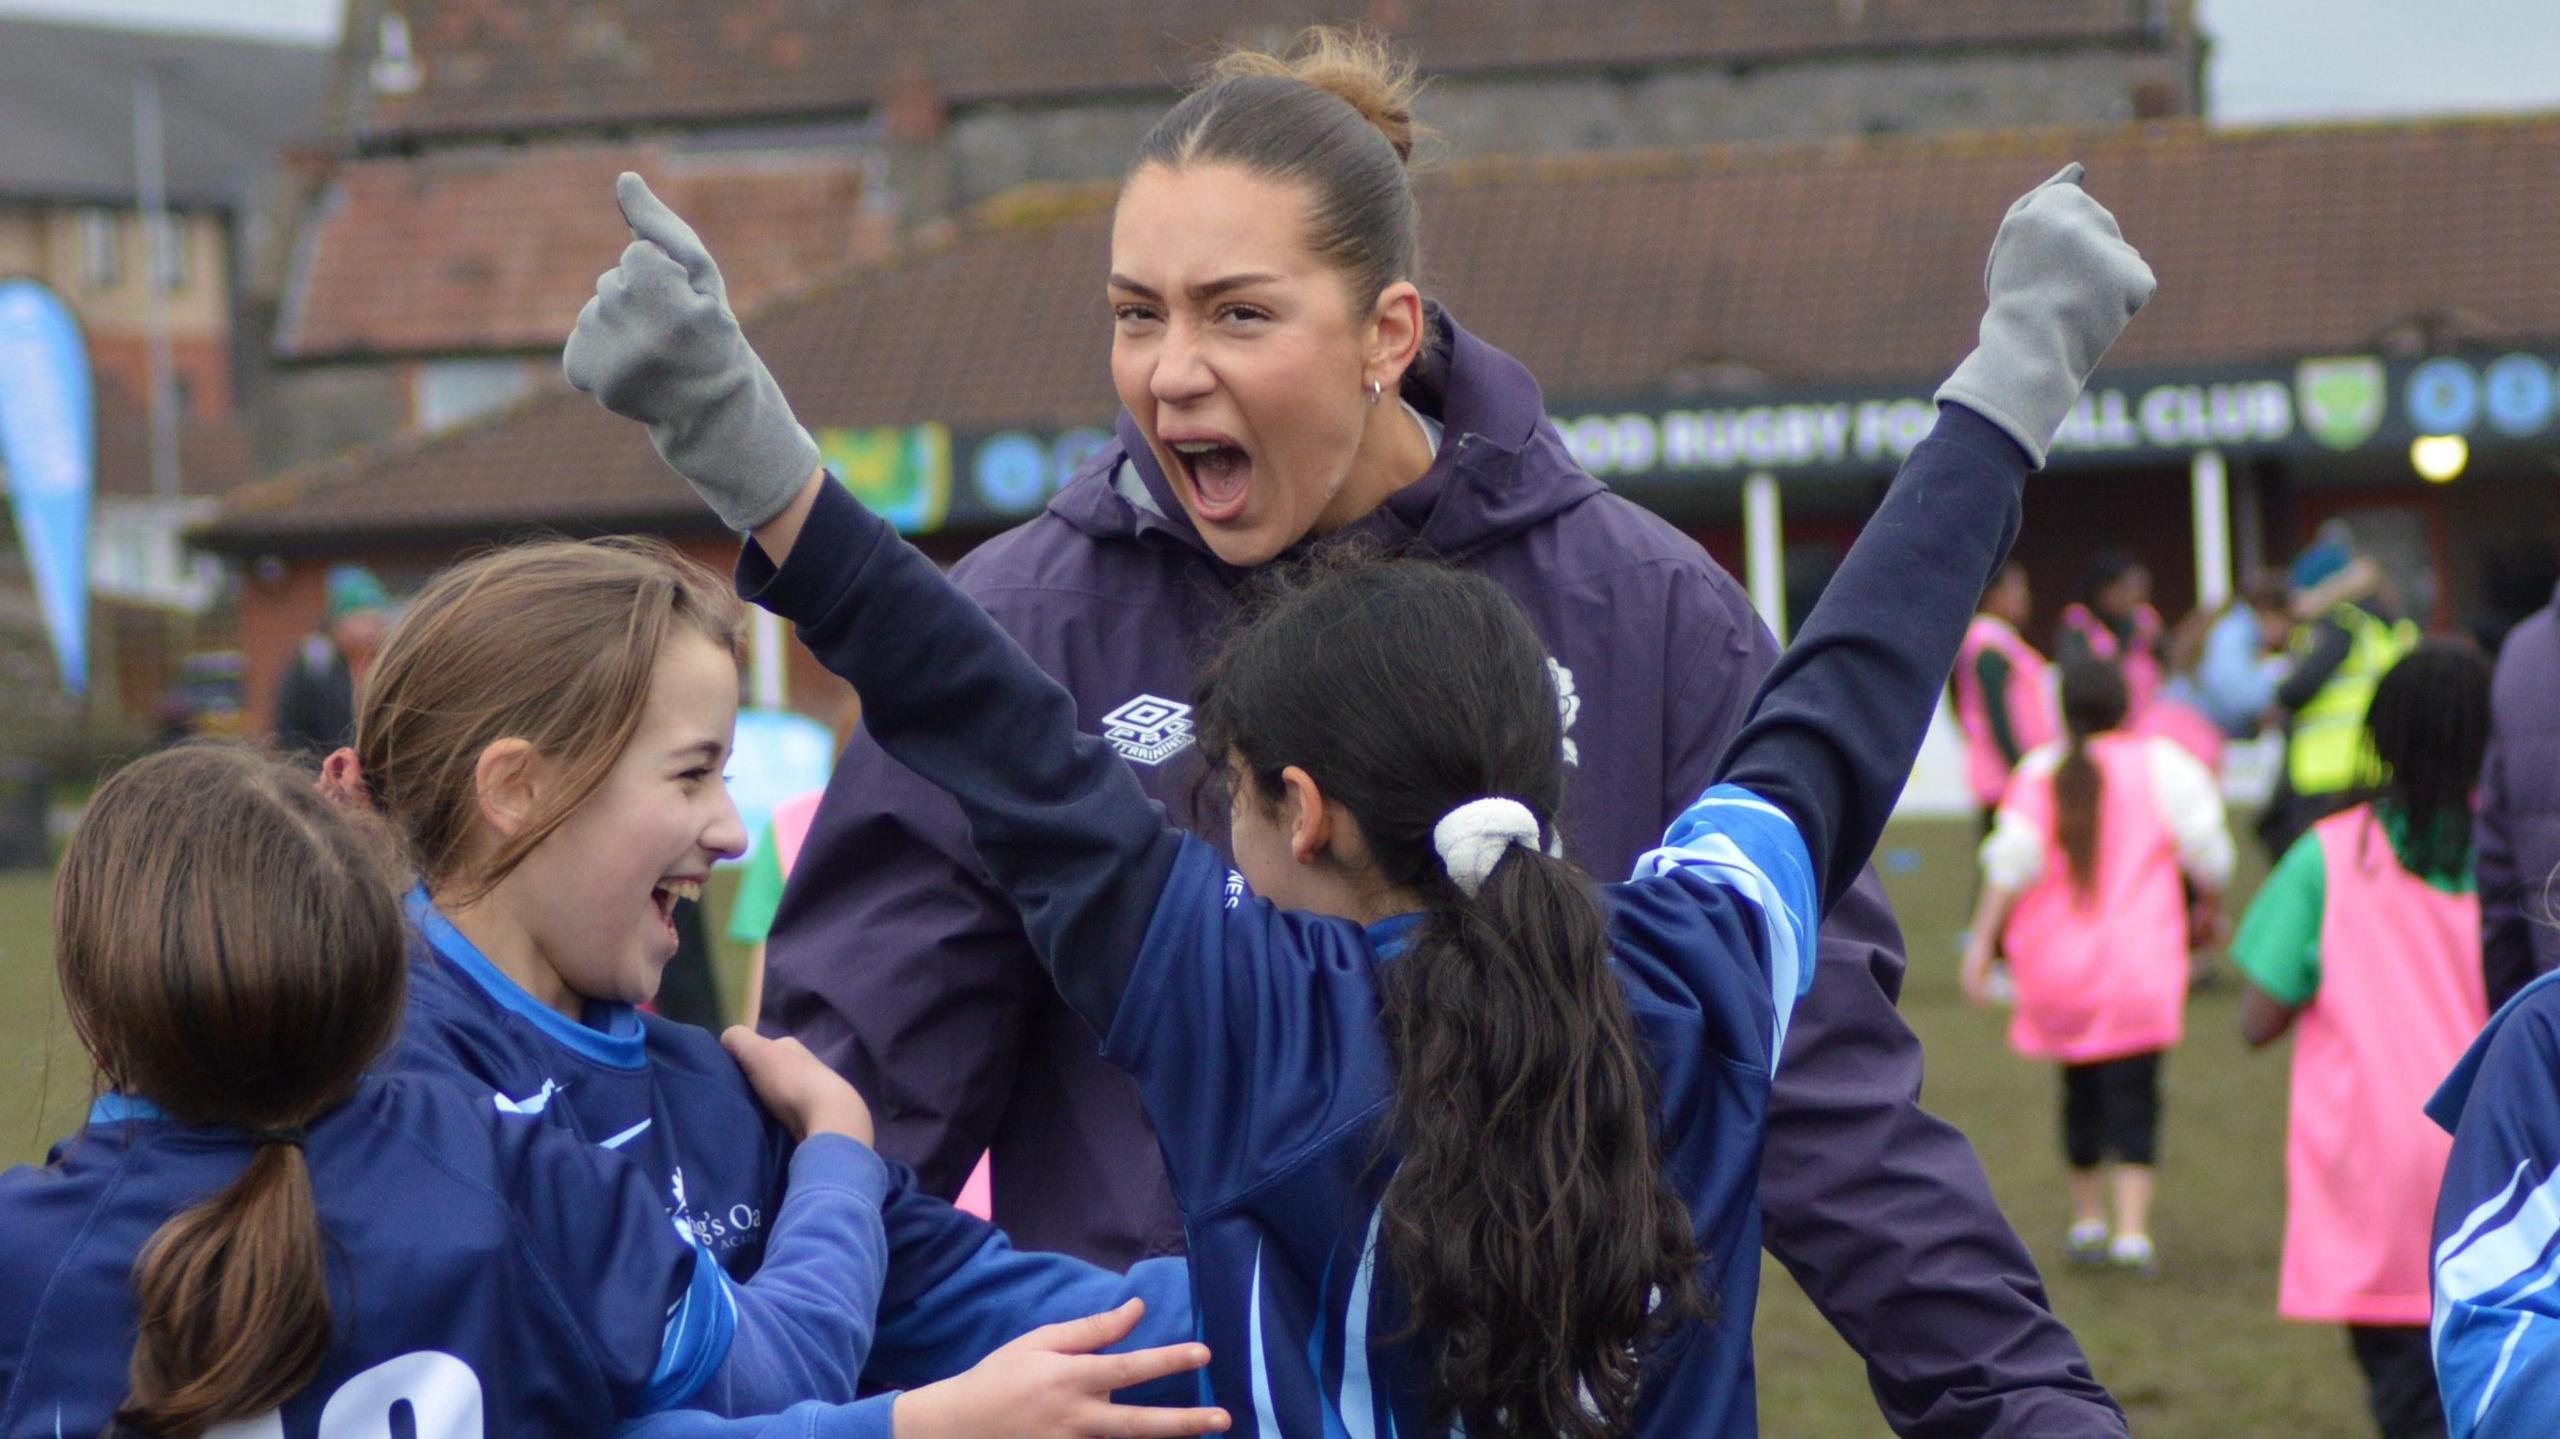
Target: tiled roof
496	248
486	65
1613	276
215	456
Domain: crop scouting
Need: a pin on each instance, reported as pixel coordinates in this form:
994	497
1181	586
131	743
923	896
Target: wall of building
114	303
988	149
283	600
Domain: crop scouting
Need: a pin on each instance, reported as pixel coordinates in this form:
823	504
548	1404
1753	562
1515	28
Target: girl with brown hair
255	1236
545	730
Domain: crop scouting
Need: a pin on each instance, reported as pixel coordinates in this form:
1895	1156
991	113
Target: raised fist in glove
658	344
2062	284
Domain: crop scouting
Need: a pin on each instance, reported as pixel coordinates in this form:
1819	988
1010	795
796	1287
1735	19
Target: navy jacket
895	958
479	1270
2519	820
950	1288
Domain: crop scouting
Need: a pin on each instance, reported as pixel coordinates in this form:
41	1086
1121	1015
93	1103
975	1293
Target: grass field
2196	1352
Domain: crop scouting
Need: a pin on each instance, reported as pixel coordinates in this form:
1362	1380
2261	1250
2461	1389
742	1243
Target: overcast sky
2273	60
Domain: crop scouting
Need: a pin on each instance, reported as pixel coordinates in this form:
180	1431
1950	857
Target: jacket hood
1501	468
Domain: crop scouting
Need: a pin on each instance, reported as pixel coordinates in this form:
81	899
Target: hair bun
1355	66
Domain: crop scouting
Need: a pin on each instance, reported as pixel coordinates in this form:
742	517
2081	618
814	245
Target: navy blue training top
669	1099
478	1271
1253	1032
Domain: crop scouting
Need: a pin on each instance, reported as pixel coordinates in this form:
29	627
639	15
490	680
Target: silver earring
1375	390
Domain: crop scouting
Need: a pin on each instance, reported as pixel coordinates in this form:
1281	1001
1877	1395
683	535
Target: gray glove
658	344
2062	284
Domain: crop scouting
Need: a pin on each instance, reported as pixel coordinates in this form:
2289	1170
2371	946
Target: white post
1764	554
151	183
765	654
2211	484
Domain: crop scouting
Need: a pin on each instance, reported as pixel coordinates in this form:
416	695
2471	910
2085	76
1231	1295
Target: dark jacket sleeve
894	959
2330	644
1059	821
2506	944
301	710
1908	1257
1832	735
2519	814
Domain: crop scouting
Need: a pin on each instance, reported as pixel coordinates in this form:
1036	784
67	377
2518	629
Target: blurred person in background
2086	883
2227	665
2363	942
2113	621
2519	826
2350	636
2516	580
2003	691
1282	379
315	709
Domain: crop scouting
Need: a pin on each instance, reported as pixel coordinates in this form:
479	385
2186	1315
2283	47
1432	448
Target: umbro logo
1148	730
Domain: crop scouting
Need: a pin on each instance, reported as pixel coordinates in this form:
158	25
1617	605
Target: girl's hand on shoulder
1051	1384
797	1087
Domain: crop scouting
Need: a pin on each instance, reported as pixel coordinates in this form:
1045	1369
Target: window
445	393
395	67
101	249
168	252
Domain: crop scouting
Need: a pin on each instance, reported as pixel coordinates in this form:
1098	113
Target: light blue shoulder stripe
699	1331
1266	1419
1735	839
2500	1259
1359	1401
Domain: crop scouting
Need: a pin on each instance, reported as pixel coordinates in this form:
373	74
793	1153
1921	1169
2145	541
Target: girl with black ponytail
2364	944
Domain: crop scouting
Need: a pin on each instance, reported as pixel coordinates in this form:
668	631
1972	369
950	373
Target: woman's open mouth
1221	477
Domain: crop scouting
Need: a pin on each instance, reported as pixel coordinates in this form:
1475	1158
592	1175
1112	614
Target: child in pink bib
2365	944
2084	892
2002	691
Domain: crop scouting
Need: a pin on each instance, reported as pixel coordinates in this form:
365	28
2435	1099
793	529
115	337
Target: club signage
930	477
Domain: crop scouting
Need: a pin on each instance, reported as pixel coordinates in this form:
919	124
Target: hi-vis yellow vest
2329	753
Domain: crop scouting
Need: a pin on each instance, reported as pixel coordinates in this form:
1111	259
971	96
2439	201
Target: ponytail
233	1313
1542	1249
2093	702
1538	1246
231	949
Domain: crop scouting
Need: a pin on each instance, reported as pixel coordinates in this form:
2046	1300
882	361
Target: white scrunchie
1472	837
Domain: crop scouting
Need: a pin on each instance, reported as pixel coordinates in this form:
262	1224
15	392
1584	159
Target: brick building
1710	325
463	219
233	114
459	229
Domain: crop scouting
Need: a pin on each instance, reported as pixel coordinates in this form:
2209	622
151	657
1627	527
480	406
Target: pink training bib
2032	722
2104	975
2138	659
2400	997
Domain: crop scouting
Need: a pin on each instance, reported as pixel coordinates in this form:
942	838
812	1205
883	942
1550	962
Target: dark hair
1543	1251
2105	568
2093	702
2429	726
1334	114
2267	594
230	948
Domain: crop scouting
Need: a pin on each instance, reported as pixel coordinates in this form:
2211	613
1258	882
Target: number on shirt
426	1395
